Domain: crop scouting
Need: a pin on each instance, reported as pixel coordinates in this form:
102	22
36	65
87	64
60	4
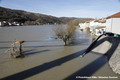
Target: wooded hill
29	18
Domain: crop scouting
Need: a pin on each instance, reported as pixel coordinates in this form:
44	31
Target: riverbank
48	59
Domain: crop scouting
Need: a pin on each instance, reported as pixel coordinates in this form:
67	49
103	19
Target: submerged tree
66	33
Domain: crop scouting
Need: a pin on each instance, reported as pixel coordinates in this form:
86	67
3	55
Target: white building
97	23
113	23
81	26
0	23
84	26
99	30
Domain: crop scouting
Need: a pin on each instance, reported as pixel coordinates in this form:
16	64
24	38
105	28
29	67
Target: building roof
100	27
114	15
96	20
87	21
102	20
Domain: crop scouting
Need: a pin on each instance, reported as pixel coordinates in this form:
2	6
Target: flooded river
47	59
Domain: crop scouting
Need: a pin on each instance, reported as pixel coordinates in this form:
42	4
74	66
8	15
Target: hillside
74	20
29	18
23	16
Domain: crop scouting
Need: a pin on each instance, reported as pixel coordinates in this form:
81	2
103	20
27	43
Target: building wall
113	25
97	24
103	24
84	25
116	25
108	24
92	23
98	32
0	23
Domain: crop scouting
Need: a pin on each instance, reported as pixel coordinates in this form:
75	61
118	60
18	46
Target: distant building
95	26
0	23
6	23
99	30
113	23
84	26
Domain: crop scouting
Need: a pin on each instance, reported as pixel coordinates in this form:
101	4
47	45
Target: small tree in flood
65	33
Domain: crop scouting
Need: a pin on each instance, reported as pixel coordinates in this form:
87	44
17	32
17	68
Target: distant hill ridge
21	16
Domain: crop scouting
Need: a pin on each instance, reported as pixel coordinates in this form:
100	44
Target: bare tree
65	33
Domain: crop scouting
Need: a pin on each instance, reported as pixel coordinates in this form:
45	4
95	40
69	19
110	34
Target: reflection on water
44	57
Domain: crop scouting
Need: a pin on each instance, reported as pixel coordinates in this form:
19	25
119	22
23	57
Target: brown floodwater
47	59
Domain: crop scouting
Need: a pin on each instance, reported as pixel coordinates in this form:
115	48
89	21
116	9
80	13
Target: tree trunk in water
65	43
20	48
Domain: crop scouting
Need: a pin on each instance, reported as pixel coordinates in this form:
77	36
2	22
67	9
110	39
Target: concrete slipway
109	45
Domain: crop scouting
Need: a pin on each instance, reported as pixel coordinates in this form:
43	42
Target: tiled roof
100	27
87	21
114	15
102	20
96	20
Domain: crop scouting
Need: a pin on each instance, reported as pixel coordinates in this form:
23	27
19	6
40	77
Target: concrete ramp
115	60
102	45
110	47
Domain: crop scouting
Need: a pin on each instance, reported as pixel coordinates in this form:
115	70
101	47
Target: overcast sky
66	8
